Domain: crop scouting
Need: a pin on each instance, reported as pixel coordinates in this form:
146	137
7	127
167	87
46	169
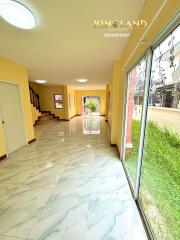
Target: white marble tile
112	216
62	218
11	238
18	213
67	186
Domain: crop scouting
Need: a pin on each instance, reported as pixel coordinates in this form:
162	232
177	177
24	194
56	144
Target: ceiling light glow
17	14
82	80
41	81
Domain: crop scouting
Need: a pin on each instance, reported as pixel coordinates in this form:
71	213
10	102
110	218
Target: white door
11	116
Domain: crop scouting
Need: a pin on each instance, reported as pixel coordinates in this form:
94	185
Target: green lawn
160	182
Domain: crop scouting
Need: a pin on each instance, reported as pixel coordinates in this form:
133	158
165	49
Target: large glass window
135	96
159	166
160	180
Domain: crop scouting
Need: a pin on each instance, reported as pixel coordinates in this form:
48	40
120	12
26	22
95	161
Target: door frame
148	54
82	103
21	113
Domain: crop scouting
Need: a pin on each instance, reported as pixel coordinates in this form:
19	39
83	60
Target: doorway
11	116
91	105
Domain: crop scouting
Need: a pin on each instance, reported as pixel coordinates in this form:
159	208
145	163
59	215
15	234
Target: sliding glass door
135	99
160	178
151	153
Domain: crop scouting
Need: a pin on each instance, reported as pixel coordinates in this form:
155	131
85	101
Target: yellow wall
2	142
107	101
12	72
46	96
159	10
110	104
71	99
99	93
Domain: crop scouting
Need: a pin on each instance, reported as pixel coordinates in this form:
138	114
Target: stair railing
34	97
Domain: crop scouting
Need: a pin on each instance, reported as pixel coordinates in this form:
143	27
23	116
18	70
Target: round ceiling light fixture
17	14
82	80
41	81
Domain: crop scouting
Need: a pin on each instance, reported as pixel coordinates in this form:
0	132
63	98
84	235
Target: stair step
45	113
48	121
45	118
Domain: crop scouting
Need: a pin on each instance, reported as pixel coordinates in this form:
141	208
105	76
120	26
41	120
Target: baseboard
3	157
115	145
73	116
32	140
56	116
108	124
69	118
119	154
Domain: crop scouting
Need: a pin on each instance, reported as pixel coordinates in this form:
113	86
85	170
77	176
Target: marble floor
68	185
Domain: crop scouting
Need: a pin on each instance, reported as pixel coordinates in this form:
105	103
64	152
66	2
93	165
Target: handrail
34	97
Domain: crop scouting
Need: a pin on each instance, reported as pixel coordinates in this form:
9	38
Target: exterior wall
35	114
157	13
97	93
162	116
12	72
165	118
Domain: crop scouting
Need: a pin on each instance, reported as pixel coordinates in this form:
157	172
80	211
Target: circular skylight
17	14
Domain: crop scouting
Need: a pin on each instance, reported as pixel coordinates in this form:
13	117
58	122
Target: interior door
11	116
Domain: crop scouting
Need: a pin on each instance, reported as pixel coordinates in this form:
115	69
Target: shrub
91	104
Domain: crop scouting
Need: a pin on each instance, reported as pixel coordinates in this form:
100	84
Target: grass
160	181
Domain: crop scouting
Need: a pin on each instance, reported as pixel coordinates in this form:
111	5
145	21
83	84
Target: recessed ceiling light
17	14
82	80
41	81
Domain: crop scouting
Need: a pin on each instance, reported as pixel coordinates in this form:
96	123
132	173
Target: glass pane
160	178
135	96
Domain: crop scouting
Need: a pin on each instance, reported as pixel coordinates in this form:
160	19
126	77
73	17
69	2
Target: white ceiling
65	45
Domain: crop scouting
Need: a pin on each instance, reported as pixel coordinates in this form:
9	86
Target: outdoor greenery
91	105
160	181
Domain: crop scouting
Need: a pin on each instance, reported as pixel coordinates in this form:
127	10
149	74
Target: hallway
67	186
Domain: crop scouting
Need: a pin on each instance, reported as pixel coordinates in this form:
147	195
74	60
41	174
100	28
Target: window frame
166	31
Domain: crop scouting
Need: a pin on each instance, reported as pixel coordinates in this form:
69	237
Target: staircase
39	117
34	98
46	117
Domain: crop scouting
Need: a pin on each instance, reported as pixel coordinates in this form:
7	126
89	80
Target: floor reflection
67	186
91	124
